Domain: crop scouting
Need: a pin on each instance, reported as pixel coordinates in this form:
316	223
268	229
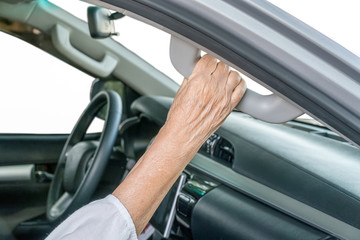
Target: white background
64	90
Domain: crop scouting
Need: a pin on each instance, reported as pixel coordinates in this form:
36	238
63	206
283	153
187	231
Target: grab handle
269	108
61	40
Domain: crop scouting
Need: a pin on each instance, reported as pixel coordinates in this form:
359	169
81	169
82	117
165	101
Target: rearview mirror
101	22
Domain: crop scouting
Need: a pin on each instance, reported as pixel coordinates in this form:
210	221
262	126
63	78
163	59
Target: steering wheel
82	163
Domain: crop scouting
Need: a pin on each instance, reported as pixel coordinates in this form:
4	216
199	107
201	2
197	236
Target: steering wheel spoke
61	204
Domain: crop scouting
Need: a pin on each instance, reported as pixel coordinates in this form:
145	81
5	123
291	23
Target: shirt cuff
125	214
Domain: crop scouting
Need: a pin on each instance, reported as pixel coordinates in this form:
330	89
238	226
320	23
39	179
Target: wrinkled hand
199	108
205	100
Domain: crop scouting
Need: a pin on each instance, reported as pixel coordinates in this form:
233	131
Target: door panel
30	148
22	196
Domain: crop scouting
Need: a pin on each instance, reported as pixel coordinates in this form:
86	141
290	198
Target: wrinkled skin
205	99
200	106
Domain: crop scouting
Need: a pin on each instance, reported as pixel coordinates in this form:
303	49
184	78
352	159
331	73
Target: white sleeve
105	219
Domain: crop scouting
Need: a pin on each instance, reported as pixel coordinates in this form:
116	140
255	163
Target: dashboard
254	180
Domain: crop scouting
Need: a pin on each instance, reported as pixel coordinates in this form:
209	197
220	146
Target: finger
238	93
206	64
233	81
221	72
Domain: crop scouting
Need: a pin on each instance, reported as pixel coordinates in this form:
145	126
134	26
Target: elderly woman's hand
204	101
199	108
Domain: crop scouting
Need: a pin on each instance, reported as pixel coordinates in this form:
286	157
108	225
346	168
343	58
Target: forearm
199	108
153	175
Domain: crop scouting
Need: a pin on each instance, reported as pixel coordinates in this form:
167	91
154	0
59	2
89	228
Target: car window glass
38	92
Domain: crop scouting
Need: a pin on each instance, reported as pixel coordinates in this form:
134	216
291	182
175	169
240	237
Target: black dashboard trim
274	198
227	214
289	150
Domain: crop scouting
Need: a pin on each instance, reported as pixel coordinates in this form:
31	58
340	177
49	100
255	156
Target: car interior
260	176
